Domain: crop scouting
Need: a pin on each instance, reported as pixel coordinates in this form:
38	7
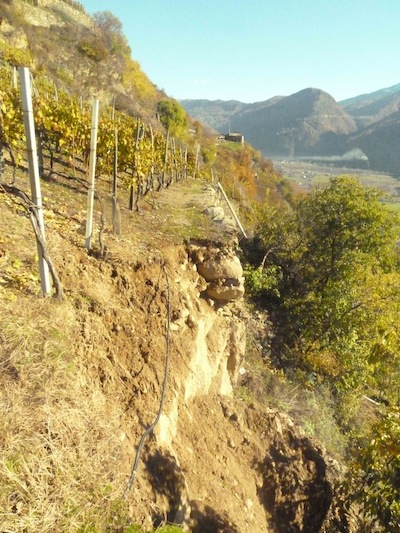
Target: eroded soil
215	463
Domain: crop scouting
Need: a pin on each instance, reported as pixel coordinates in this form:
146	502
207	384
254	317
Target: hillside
83	377
161	384
215	115
305	123
311	124
87	56
356	104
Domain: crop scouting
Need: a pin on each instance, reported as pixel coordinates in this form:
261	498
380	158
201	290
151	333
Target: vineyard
127	148
130	155
133	160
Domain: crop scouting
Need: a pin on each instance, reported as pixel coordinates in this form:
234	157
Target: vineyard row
144	159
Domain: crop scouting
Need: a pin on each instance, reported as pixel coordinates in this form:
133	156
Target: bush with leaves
337	310
375	474
172	116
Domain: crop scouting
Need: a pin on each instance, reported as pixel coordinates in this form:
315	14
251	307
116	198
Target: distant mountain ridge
364	99
310	123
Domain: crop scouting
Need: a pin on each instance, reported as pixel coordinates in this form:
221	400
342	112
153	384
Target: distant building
235	137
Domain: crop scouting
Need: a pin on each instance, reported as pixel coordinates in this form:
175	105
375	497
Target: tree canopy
330	277
110	32
172	116
375	474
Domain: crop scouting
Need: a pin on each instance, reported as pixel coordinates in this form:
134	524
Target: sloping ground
58	39
82	379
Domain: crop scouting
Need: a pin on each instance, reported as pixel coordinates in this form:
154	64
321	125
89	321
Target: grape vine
147	160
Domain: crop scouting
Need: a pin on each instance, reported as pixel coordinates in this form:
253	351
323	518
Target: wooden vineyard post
196	161
92	169
27	109
116	215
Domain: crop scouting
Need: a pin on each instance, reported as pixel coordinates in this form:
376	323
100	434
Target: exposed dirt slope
215	463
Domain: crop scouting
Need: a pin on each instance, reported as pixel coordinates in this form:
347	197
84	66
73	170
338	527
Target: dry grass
58	439
63	466
313	410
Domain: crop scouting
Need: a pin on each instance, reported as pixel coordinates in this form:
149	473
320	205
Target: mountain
377	116
380	142
215	114
310	123
306	123
353	105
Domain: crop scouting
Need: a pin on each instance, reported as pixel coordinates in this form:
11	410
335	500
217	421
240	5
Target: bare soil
215	463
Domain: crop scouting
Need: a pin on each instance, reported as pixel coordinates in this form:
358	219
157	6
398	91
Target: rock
248	504
226	290
221	266
191	322
222	270
216	213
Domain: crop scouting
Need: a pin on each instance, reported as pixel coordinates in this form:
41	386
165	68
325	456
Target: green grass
393	206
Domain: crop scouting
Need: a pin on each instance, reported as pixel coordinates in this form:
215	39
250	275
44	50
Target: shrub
375	475
328	271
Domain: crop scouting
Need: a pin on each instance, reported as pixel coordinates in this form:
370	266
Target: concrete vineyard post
27	109
134	170
92	169
186	162
116	222
165	158
14	78
152	158
196	161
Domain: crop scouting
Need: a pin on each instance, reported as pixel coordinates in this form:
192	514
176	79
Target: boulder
221	270
227	290
221	266
216	213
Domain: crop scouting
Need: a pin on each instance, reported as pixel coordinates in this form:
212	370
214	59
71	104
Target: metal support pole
232	211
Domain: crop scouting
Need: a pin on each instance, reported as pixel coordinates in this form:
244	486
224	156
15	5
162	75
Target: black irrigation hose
163	394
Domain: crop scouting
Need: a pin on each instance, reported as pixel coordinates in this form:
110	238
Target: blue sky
252	50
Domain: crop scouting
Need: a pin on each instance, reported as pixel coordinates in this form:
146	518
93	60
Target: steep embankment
83	380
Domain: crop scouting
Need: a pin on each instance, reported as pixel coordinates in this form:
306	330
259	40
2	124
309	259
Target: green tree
172	116
110	32
338	284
